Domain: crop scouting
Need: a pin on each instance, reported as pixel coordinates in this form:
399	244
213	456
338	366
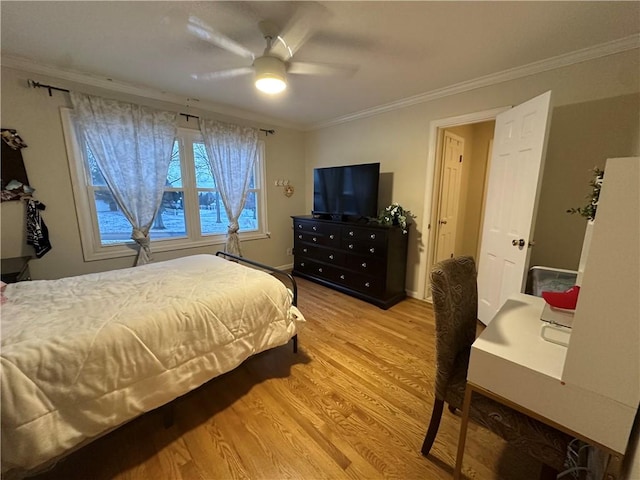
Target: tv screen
350	190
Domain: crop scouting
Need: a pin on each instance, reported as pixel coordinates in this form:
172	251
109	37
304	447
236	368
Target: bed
83	355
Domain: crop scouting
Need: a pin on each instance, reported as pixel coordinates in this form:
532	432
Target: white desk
511	363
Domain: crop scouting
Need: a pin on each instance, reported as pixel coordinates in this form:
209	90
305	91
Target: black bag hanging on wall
37	231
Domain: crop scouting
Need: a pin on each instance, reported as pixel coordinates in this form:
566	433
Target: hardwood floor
354	402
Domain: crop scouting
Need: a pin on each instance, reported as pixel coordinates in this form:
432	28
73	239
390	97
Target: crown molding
605	49
106	83
610	48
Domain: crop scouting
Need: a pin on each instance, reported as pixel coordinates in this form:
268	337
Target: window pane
113	225
170	223
96	176
252	182
115	228
249	218
213	217
174	175
204	178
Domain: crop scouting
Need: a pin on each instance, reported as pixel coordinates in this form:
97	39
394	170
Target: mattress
82	355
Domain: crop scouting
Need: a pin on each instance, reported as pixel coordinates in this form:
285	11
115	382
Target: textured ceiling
401	49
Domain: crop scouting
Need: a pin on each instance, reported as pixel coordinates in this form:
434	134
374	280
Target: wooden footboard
283	276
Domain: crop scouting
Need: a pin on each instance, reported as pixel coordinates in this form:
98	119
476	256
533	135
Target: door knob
518	243
442	222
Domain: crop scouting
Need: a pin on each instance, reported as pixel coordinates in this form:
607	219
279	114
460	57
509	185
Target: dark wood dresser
365	260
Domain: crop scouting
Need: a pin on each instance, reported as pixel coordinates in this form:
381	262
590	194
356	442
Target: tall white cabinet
590	388
603	356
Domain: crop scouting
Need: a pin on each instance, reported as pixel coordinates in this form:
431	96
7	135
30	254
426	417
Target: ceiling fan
274	64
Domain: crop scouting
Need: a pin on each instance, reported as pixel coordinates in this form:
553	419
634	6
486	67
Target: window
191	213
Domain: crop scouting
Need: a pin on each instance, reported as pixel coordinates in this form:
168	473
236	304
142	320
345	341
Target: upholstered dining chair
455	304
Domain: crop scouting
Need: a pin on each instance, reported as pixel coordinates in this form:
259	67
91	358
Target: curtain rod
50	88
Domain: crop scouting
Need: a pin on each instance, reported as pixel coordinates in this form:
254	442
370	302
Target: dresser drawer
369	265
322	254
313	238
360	234
364	247
361	283
316	269
319	228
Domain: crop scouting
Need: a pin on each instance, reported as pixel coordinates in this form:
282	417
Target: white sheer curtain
232	152
132	146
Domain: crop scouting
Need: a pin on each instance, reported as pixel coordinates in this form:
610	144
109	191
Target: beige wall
36	116
589	98
399	139
582	136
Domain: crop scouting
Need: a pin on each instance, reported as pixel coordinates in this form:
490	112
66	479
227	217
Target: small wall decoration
288	190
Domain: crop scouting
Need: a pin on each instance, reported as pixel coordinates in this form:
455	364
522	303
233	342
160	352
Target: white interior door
517	162
453	148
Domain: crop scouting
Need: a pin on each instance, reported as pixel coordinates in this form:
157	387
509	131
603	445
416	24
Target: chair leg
434	424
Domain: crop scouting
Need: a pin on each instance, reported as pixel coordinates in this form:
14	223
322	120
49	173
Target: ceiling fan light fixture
271	75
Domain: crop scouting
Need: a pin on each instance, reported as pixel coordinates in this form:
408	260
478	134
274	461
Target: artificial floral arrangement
589	210
395	214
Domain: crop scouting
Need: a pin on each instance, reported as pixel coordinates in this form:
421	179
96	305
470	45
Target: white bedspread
82	355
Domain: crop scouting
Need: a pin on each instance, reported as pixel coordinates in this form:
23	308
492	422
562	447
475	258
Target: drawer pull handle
372	250
299	225
367	285
302	264
314	228
364	264
331	257
351	233
304	250
331	236
315	239
373	236
341	277
320	269
351	246
300	237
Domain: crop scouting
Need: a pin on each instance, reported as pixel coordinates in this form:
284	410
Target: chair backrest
455	304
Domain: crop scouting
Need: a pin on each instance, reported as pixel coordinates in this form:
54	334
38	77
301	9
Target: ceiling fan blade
203	31
232	72
305	21
306	68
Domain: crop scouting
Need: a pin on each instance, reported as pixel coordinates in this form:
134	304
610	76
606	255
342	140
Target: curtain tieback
233	228
141	238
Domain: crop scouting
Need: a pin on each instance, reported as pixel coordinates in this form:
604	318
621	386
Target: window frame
92	247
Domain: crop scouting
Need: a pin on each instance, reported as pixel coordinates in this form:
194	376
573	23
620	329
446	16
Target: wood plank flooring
353	403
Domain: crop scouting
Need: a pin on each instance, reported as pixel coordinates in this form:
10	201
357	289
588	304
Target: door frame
432	184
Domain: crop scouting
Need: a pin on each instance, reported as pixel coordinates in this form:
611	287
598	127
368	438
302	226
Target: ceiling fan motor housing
270	71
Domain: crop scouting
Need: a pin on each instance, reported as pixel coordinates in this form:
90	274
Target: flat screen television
346	191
